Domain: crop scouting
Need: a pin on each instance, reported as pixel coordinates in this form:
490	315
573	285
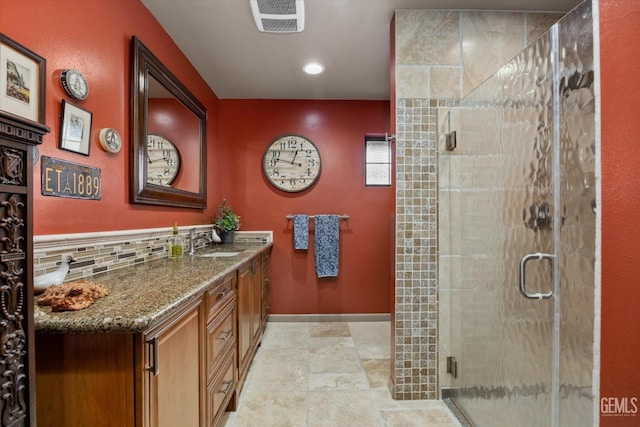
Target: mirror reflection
173	133
168	138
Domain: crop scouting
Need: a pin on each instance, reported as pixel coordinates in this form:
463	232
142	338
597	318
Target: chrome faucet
193	239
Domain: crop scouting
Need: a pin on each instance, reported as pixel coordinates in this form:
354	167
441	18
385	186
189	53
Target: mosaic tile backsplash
106	251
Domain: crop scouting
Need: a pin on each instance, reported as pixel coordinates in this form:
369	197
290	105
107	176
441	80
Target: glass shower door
517	236
502	245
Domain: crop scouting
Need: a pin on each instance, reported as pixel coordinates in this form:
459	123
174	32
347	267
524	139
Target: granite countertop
143	295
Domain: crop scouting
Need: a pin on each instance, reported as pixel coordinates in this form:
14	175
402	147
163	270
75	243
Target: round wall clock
163	160
291	163
110	140
74	83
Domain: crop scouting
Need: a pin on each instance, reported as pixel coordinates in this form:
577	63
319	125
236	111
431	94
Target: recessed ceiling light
313	68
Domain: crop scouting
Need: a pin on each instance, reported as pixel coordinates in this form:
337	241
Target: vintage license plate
66	179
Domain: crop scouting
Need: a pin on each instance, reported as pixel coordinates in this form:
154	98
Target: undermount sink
218	254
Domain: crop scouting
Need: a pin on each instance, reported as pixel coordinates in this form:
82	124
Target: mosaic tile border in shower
416	292
111	250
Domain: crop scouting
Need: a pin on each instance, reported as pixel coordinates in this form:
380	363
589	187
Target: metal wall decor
66	179
74	84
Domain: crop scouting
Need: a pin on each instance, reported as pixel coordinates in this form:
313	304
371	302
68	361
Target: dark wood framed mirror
168	136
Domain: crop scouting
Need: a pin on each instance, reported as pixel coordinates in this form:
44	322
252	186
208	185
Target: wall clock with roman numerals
292	163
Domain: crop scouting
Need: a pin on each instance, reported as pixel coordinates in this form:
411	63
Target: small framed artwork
75	126
22	81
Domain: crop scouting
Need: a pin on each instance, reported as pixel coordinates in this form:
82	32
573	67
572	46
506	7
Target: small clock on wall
110	140
163	160
75	84
292	163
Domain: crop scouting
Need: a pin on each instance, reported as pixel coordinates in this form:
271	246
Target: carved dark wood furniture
17	370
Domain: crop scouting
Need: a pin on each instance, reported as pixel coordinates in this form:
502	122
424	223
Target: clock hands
159	160
291	161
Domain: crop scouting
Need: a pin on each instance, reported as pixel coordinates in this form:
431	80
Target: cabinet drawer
219	294
220	391
221	335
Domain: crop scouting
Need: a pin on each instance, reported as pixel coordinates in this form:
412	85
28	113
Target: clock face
110	140
75	84
291	163
163	160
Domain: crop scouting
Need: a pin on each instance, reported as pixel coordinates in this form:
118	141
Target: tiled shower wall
440	56
416	251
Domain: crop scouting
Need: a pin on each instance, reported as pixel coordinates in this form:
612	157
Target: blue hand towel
326	243
301	231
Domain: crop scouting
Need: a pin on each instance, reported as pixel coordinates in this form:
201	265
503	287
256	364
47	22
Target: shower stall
517	231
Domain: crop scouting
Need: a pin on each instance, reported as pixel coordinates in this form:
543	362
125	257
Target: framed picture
75	134
22	81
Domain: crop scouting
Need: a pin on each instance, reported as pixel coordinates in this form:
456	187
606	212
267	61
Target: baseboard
372	317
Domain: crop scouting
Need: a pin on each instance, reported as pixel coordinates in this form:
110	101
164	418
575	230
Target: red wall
620	87
95	39
94	36
337	128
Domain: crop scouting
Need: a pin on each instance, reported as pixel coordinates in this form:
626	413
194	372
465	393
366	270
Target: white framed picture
75	134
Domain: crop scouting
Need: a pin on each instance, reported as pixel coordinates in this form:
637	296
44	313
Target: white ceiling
350	37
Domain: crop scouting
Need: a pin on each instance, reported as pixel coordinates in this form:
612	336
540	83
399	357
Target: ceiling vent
278	16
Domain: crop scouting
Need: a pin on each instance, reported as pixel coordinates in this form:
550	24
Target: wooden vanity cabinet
266	287
249	315
185	371
174	359
125	380
181	372
222	362
254	291
86	379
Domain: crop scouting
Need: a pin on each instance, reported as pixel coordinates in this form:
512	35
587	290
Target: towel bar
344	217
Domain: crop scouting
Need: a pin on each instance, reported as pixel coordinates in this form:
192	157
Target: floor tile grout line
373	393
370	389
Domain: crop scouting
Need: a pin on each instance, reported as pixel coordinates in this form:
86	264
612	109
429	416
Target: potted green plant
226	222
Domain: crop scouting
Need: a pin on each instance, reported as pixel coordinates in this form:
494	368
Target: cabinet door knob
227	387
227	335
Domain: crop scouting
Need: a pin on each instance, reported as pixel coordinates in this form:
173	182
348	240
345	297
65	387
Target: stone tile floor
328	374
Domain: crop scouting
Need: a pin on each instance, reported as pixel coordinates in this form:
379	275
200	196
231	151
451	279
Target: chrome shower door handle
523	274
